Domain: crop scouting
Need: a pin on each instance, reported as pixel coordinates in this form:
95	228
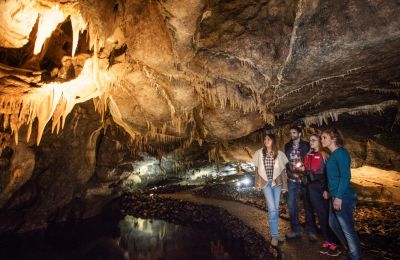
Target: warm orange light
17	19
54	100
78	26
377	183
48	22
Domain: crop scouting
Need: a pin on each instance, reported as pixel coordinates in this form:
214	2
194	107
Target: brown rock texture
187	80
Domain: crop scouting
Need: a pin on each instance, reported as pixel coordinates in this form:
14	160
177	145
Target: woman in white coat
271	178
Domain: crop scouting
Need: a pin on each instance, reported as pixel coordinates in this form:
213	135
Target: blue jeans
297	190
342	223
272	196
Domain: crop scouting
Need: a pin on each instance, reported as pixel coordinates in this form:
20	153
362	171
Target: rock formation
112	79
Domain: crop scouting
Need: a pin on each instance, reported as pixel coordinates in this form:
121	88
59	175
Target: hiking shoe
312	237
293	234
333	250
274	241
324	248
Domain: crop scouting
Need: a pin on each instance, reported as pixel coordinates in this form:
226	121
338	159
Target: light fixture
246	181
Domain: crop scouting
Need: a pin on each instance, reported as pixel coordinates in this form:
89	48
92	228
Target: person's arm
284	174
289	170
343	161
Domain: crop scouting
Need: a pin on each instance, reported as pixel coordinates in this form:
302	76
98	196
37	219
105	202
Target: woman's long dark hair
274	146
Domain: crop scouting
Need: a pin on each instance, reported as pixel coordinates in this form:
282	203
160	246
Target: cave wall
178	83
61	167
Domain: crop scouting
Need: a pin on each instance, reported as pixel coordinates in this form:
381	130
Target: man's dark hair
295	127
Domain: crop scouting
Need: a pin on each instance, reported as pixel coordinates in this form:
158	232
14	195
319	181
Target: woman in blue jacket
343	198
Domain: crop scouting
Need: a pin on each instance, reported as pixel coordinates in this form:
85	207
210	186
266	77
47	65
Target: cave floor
257	219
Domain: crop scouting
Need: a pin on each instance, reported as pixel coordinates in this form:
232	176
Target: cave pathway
257	219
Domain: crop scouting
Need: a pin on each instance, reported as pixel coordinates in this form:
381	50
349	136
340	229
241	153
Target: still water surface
126	238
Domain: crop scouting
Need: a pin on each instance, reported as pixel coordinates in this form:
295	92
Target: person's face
326	140
314	142
268	142
294	134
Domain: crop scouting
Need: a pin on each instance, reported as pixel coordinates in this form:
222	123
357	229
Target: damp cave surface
103	100
124	237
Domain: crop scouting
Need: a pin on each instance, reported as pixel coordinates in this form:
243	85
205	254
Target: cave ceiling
184	71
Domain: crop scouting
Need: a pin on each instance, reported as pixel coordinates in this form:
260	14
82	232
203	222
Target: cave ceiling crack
299	13
277	99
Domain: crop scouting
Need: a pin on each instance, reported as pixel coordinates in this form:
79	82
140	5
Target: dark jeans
342	223
321	206
295	192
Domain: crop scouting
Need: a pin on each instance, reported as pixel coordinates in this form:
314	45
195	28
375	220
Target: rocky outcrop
46	178
179	83
217	70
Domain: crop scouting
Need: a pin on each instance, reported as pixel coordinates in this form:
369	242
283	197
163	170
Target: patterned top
269	162
295	157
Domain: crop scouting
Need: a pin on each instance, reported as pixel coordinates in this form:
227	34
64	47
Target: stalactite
333	114
54	100
213	156
48	21
395	83
78	26
228	97
381	90
396	120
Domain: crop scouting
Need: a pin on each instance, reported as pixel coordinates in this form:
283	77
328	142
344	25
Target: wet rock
182	212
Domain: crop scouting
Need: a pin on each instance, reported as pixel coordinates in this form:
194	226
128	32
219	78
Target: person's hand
337	204
284	191
325	195
257	188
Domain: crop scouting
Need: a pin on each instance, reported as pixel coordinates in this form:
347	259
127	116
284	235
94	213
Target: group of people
320	179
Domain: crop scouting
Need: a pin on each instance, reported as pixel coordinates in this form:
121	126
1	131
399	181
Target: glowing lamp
246	181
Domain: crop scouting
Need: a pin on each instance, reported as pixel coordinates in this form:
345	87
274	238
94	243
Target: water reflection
157	239
104	238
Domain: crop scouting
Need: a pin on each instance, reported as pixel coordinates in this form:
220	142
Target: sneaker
333	250
312	237
293	234
274	241
324	248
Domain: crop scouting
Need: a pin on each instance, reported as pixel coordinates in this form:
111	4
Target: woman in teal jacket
343	198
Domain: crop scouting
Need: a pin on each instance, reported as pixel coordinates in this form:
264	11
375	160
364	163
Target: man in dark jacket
295	151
